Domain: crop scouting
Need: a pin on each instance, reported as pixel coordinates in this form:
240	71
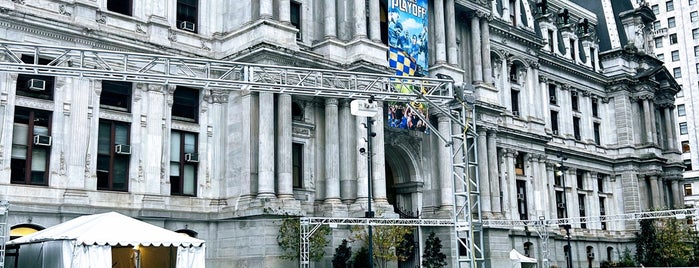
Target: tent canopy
111	229
517	257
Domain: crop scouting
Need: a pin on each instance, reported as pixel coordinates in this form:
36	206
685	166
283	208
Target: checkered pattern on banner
401	62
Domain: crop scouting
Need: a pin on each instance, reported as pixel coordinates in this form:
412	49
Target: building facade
575	117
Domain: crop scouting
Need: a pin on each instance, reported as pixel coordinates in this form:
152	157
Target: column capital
492	132
543	78
331	101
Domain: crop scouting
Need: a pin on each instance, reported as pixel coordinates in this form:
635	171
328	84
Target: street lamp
561	172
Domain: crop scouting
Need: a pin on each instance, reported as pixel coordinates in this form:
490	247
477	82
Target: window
680	93
519	164
669	6
561	210
554	122
600	183
673	39
580	179
695	33
598	140
661	57
602	211
187	15
552	94
592	59
513	74
687	189
671	22
656	9
692	2
297	164
522	200
120	6
581	209
697	67
681	110
116	95
687	164
696	51
185	104
183	163
576	128
656	25
675	55
113	150
595	107
574	100
35	86
528	249
685	147
694	16
572	49
31	147
513	16
551	36
683	128
515	102
677	72
295	17
658	42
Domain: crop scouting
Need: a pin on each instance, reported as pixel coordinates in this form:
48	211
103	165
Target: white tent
518	258
108	240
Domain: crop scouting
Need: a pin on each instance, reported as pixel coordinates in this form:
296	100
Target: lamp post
561	172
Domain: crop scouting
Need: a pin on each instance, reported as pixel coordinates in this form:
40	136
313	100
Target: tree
386	239
433	256
343	253
664	242
289	240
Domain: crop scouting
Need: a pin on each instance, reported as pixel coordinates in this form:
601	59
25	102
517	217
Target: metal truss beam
675	213
216	74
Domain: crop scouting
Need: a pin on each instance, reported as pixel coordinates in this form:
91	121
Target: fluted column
450	22
362	167
359	19
678	191
493	173
265	161
518	13
509	208
329	18
669	137
673	122
284	168
439	42
485	46
476	56
647	120
266	9
378	184
332	157
285	11
653	127
445	168
374	21
347	183
655	192
483	170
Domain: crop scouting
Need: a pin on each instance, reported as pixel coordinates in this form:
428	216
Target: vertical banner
407	55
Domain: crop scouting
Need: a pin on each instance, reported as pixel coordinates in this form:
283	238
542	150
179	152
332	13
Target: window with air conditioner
113	155
187	15
116	95
522	200
31	146
35	86
183	171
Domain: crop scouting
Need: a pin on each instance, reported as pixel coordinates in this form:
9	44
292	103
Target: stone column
445	168
285	11
655	192
440	49
647	120
678	191
476	55
483	170
332	156
378	184
485	46
359	19
266	9
329	9
374	20
362	167
284	168
653	127
518	13
509	208
669	138
550	172
673	122
265	170
538	92
493	173
450	22
347	183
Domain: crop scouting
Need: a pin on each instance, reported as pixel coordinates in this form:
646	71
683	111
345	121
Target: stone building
556	82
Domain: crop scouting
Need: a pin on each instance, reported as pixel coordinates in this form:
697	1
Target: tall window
669	6
671	22
551	36
185	104
687	164
576	128
116	95
677	72
656	9
581	209
120	6
515	102
31	147
113	150
592	59
685	147
561	211
683	128
580	179
675	55
554	122
183	163
596	129
522	200
694	16
552	94
574	100
658	42
673	39
595	107
297	164
572	48
602	211
600	183
687	190
681	110
519	164
187	15
295	17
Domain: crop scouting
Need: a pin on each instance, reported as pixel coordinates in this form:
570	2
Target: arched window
296	112
21	230
610	252
528	246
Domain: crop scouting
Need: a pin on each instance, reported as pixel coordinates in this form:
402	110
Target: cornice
581	71
516	34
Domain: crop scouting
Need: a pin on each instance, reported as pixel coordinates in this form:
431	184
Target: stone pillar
378	183
653	126
678	190
518	13
485	46
439	42
332	156
445	167
265	170
476	55
285	11
655	192
647	120
284	168
669	138
493	173
329	9
508	186
359	19
483	170
374	20
538	92
550	172
362	167
347	183
266	9
673	123
450	22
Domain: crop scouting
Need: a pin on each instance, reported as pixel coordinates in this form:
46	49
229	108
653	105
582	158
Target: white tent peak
112	229
518	257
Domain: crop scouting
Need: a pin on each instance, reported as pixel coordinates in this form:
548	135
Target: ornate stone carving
172	36
21	2
100	17
543	79
62	166
63	10
139	29
204	46
87	165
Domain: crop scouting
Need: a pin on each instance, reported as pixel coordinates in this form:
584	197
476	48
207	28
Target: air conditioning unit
36	85
560	205
42	140
122	149
187	26
191	157
591	255
515	113
520	196
553	98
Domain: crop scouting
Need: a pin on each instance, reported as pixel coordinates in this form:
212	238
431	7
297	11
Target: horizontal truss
676	213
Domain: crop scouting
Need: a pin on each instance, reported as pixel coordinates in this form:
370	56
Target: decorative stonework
139	29
87	165
34	103
115	116
172	35
63	10
184	126
62	167
21	2
302	130
100	17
